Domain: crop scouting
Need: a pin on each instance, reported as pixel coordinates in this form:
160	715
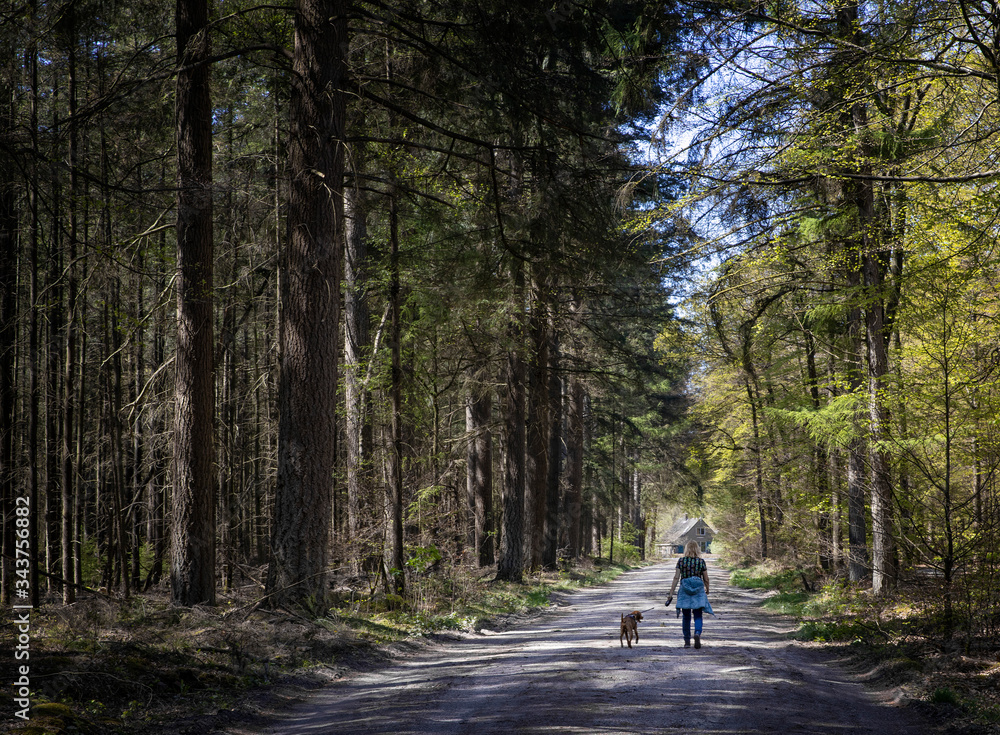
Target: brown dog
630	627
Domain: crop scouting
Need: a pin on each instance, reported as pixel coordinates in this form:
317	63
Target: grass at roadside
142	665
893	641
481	604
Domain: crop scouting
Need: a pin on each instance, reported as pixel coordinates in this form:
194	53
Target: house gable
689	529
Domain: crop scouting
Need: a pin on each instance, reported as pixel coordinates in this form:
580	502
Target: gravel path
564	672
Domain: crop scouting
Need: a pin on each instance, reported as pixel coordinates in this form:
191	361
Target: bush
944	695
625	550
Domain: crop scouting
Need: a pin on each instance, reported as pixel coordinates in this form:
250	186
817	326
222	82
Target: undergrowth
893	640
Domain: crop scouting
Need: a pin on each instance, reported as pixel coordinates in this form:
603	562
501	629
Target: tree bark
479	456
758	470
395	555
873	274
192	573
511	562
538	427
356	351
8	323
857	526
574	468
635	506
68	476
550	549
56	317
821	460
310	307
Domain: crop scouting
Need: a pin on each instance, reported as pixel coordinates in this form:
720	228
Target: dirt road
564	672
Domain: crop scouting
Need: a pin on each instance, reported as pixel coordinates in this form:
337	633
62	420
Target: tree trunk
635	504
821	470
511	562
68	476
8	327
873	273
159	461
53	407
857	527
538	427
395	555
310	307
118	554
834	463
550	550
356	351
192	573
574	469
33	326
478	410
758	471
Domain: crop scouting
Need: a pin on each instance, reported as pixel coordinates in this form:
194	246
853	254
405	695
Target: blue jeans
686	624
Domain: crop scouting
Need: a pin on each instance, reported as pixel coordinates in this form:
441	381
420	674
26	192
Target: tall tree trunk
835	465
758	470
56	317
118	558
635	504
574	468
821	470
159	471
310	306
873	275
33	327
192	571
848	30
69	362
884	551
857	526
8	322
356	352
226	411
511	562
550	549
538	427
836	503
478	413
395	544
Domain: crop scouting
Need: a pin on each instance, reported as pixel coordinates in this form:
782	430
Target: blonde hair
691	549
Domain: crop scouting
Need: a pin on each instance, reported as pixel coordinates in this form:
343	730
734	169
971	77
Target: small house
688	529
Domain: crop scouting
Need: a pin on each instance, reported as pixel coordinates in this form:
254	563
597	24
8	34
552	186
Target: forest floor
151	669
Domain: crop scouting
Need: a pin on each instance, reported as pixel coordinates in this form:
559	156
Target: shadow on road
565	672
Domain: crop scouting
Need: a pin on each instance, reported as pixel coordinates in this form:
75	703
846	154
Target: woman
692	573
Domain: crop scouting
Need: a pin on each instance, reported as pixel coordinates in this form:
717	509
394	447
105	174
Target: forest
353	293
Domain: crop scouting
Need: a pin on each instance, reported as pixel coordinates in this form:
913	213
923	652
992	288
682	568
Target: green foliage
465	604
800	263
944	695
828	631
421	558
826	615
622	545
787	603
766	576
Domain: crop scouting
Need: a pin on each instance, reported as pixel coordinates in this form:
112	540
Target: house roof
684	526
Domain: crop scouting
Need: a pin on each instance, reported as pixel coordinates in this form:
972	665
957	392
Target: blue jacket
691	595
